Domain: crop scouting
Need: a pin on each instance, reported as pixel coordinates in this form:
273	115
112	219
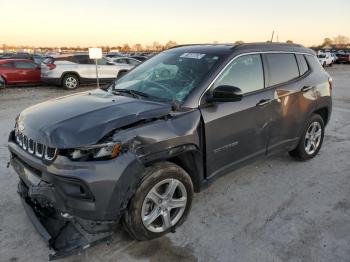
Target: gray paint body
206	139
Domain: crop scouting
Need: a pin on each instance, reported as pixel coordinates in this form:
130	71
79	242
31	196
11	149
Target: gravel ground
273	210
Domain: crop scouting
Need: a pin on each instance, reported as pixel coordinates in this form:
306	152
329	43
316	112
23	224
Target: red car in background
19	71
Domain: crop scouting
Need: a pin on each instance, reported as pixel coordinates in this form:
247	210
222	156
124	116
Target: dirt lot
273	210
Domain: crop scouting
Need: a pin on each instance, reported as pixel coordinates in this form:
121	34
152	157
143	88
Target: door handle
306	88
264	102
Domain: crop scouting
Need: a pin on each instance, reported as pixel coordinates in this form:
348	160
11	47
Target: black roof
246	47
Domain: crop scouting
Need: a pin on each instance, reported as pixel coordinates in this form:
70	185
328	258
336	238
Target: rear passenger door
85	68
9	72
288	75
237	131
27	72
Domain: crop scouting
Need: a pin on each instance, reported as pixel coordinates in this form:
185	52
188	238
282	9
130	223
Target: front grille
35	148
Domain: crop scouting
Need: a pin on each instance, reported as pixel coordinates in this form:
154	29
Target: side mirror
225	93
110	63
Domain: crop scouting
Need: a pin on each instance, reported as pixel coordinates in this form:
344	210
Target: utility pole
98	82
273	32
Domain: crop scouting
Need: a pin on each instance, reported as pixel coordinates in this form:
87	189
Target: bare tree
341	41
327	42
126	48
156	46
170	44
138	47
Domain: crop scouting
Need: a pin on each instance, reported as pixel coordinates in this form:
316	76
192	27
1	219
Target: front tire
70	82
311	140
161	203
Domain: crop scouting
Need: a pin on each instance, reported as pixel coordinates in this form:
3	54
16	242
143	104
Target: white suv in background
69	71
325	59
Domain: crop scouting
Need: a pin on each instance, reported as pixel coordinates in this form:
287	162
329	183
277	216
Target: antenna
273	32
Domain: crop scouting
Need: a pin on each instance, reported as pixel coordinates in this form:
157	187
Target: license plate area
27	174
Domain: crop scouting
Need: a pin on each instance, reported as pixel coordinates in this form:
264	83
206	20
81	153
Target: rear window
49	60
282	68
303	66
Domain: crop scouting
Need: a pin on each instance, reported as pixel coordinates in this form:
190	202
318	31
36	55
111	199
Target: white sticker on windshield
193	55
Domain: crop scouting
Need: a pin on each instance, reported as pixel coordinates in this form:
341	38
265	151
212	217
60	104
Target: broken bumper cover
64	236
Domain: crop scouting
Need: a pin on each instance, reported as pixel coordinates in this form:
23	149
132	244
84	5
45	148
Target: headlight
107	150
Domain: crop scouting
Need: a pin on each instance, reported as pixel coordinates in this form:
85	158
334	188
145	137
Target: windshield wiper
134	93
174	103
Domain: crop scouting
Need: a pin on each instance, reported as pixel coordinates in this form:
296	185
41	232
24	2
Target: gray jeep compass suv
137	151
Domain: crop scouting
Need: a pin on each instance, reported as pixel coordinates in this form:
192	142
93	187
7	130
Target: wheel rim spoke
154	196
181	202
147	220
171	188
166	219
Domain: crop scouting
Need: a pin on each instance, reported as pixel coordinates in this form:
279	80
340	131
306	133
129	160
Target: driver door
236	132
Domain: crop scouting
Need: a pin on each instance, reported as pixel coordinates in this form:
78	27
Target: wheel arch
324	113
188	157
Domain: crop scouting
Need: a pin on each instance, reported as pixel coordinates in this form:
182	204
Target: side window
102	61
25	65
282	68
120	61
62	58
133	62
245	72
6	65
303	66
82	59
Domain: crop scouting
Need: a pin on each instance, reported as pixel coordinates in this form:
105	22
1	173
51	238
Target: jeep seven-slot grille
35	148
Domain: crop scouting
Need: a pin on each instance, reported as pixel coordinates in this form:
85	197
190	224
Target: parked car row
36	58
329	58
343	58
68	71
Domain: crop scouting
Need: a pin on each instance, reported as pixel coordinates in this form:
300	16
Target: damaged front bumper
74	205
64	236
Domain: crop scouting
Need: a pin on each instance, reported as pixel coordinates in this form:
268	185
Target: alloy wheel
71	82
313	138
164	205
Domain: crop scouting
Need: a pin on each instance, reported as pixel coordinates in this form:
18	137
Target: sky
115	22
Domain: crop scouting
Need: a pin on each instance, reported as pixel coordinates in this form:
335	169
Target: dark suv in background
137	151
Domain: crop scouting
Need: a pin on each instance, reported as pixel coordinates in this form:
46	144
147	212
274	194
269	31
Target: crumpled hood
84	118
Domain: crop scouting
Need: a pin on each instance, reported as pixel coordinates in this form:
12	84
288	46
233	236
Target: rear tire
311	140
161	203
70	82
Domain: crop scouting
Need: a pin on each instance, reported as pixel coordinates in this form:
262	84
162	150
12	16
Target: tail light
330	81
51	66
